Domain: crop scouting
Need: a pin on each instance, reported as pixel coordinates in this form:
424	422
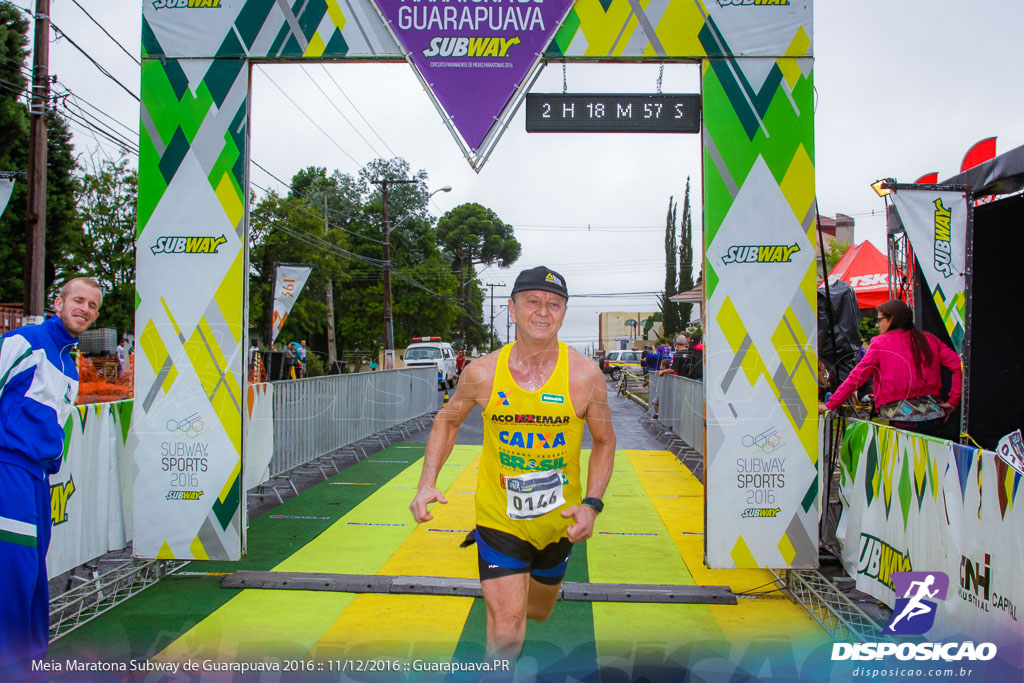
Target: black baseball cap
542	278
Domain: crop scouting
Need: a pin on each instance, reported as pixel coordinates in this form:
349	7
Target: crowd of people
294	366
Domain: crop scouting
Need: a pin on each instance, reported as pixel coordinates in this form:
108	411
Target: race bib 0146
534	494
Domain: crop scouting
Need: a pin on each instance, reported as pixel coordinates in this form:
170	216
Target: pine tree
669	310
686	256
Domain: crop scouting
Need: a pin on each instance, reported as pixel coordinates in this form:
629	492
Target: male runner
536	394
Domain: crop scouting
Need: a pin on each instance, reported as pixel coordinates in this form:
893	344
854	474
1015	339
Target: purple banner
474	54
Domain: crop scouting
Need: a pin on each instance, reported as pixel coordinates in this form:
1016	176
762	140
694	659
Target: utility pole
389	327
35	247
332	351
492	286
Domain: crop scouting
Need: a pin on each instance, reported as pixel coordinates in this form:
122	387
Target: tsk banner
919	504
288	284
936	223
474	58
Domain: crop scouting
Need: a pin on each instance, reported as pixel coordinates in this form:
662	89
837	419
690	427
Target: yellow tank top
530	466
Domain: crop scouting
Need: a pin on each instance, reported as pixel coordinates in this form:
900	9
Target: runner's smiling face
538	314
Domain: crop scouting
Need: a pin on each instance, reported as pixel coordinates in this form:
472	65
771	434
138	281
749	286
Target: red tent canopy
865	269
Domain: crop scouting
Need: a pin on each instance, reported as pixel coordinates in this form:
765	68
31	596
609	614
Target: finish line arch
760	274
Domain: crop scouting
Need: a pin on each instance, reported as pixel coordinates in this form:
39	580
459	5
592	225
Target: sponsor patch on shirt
552	398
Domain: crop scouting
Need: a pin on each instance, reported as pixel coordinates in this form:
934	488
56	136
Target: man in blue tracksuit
38	388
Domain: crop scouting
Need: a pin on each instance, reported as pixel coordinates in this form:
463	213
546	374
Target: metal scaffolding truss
827	605
102	592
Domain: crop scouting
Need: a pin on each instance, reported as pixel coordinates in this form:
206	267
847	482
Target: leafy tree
473	234
670	310
834	251
62	221
649	323
685	256
291	231
106	250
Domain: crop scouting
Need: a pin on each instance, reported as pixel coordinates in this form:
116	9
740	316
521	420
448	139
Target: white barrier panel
259	434
917	504
87	500
680	407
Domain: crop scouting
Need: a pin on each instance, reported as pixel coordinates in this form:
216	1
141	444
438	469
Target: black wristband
595	503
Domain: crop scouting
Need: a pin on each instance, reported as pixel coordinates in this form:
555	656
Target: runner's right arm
473	388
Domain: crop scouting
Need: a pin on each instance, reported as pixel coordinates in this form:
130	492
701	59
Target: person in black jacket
695	354
679	355
688	360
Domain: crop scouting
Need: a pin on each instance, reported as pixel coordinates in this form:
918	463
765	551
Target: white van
432	351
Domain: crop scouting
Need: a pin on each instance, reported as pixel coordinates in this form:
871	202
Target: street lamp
389	327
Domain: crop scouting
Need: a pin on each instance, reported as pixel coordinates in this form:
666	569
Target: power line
310	119
81	100
368	124
62	34
331	102
116	42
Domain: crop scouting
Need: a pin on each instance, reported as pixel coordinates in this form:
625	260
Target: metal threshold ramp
434	585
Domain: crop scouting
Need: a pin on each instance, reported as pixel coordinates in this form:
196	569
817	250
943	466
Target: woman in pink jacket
904	363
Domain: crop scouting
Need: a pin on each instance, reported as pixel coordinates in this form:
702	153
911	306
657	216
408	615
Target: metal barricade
319	415
681	407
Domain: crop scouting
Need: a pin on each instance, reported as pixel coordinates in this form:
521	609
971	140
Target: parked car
614	361
431	351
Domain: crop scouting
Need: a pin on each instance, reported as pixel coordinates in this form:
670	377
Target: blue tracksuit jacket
38	387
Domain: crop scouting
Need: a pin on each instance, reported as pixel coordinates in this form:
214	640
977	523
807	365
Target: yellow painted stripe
618	627
679	500
300	618
415	626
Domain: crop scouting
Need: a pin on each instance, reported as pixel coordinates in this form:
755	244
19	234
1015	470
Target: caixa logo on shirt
177	244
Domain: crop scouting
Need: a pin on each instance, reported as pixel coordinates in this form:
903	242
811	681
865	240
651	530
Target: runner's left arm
602	455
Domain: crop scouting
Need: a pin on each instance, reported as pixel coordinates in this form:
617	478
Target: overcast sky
903	88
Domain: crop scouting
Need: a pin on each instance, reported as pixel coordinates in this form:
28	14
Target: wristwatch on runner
595	503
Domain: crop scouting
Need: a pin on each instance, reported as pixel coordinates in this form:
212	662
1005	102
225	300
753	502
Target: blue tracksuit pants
25	593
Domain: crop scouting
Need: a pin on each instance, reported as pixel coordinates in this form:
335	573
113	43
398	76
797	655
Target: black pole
828	291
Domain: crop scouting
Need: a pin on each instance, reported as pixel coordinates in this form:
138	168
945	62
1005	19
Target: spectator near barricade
696	357
651	360
905	365
460	361
122	355
289	360
682	341
300	352
664	352
664	369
